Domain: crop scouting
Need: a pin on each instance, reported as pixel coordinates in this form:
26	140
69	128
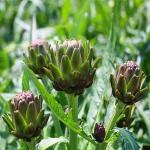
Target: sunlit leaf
46	143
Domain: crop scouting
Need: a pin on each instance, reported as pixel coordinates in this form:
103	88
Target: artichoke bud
72	67
128	84
99	132
38	56
25	119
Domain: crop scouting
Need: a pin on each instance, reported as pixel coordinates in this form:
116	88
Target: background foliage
119	30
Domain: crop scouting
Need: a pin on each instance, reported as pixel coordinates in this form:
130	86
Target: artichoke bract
38	56
27	117
99	132
128	84
71	67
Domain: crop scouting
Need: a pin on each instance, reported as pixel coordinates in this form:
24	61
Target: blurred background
116	28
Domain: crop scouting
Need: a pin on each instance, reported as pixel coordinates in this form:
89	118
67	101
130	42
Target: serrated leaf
127	139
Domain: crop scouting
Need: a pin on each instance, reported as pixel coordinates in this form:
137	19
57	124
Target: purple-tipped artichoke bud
72	66
38	56
99	132
23	96
128	84
27	117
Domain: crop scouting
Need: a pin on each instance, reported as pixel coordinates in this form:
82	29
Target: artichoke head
27	117
71	67
128	84
38	56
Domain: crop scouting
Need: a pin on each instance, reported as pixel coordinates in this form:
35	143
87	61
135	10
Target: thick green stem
100	146
31	145
115	115
73	102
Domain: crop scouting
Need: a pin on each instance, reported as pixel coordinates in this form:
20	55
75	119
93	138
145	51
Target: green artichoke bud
38	56
71	67
128	84
27	117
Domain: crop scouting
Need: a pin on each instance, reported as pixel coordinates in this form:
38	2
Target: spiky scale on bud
128	84
25	120
99	132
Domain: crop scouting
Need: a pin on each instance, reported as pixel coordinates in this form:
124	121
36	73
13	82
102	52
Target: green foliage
118	30
55	107
127	139
46	143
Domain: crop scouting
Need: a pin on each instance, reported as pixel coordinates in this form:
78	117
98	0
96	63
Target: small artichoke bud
71	67
128	84
38	56
27	117
99	132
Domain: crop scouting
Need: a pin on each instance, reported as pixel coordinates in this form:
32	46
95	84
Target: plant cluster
70	66
69	93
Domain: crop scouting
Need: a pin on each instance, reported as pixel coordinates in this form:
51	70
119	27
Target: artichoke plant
128	84
27	117
72	66
38	56
128	118
99	132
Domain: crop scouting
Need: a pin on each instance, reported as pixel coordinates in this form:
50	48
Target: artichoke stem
115	115
31	145
73	102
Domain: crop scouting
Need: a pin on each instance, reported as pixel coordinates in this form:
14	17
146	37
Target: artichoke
71	67
38	56
128	84
99	132
27	118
